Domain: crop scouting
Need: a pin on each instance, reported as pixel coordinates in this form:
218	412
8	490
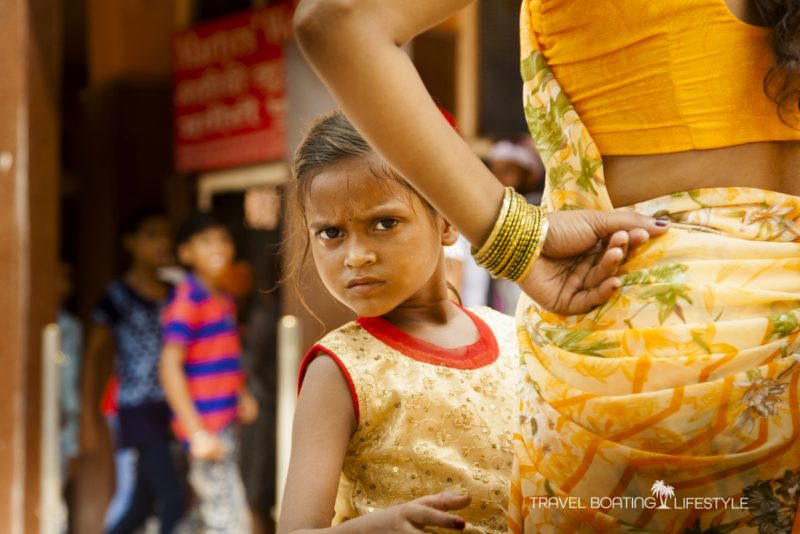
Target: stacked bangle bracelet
515	241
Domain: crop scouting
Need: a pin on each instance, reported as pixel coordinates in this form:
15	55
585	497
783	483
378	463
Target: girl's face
375	244
151	245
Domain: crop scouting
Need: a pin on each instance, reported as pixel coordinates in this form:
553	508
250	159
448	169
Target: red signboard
229	90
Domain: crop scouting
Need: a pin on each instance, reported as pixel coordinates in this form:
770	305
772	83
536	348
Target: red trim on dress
479	354
315	351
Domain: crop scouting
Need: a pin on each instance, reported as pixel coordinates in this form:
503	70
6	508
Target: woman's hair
782	82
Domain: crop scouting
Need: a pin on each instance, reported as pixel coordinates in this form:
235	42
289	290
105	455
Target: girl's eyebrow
319	224
390	207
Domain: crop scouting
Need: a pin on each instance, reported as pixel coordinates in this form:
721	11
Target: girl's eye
385	224
329	233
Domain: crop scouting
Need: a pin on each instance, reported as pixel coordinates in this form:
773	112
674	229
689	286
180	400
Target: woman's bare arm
354	46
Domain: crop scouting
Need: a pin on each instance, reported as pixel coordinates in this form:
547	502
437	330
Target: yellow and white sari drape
674	407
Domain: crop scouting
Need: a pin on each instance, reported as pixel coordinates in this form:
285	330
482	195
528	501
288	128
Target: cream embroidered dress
429	419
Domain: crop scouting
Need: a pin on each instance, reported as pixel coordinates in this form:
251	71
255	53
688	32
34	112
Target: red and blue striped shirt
205	324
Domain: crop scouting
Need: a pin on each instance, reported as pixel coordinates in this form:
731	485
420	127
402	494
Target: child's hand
206	446
413	516
247	409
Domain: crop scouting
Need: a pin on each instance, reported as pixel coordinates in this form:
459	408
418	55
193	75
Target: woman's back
772	165
671	93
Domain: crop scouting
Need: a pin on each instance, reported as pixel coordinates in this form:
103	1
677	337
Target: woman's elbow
316	20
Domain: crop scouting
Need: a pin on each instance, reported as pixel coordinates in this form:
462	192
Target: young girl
414	398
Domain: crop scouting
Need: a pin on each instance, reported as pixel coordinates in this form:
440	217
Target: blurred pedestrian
124	457
202	374
516	163
127	325
68	392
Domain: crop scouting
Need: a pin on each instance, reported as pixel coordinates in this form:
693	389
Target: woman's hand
414	516
582	253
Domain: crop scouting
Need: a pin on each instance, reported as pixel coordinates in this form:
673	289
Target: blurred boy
202	374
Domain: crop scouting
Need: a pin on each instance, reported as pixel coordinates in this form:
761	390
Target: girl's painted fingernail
662	221
459	524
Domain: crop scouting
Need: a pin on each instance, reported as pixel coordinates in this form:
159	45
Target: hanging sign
229	90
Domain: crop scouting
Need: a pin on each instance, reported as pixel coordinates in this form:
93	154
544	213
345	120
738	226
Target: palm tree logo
662	490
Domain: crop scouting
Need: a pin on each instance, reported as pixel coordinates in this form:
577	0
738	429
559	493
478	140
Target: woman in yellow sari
661	394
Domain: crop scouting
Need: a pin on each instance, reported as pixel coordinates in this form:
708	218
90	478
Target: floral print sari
674	407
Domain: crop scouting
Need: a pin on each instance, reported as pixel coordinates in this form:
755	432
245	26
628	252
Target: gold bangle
513	222
496	255
534	238
516	265
538	251
507	196
516	239
520	240
498	252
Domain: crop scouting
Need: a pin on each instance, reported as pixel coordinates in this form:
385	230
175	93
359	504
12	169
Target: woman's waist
773	166
743	213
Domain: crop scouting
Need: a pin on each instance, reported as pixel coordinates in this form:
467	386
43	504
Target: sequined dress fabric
425	427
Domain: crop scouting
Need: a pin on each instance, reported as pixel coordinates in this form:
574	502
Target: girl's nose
359	256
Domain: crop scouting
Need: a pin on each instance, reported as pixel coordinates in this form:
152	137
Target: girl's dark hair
134	221
782	82
330	140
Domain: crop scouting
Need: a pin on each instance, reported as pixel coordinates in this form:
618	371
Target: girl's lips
364	285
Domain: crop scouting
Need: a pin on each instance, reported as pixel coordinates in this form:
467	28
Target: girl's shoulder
343	347
340	344
346	334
